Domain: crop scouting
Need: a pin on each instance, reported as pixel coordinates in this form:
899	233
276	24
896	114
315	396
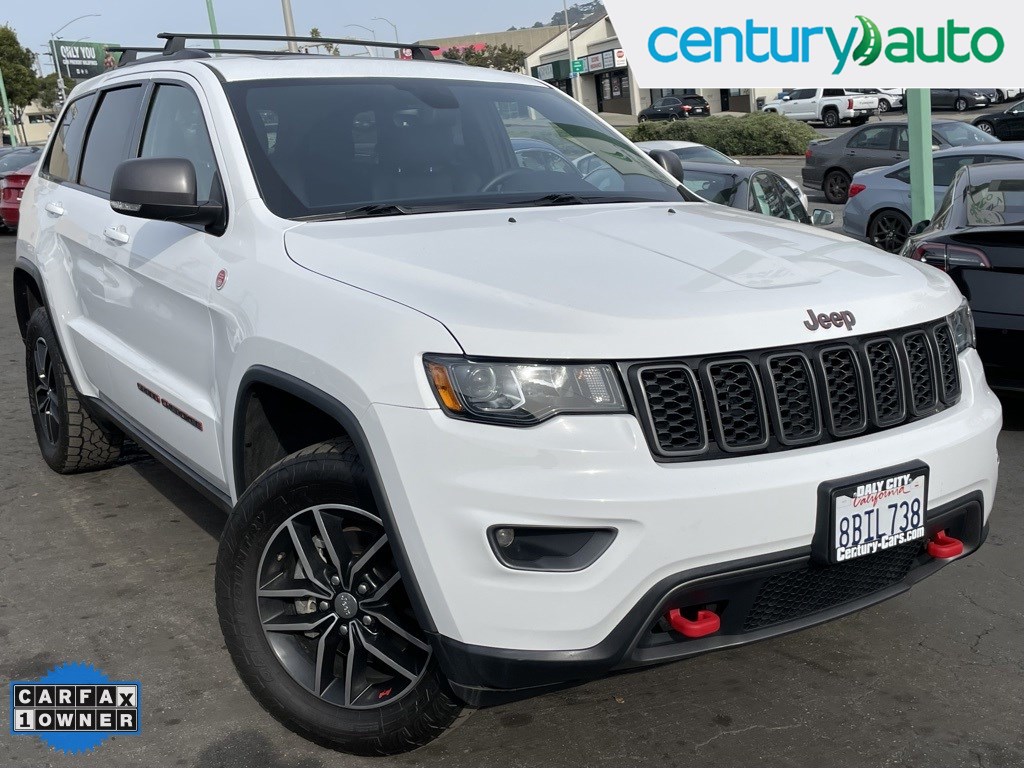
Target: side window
107	145
67	144
176	128
830	92
902	140
946	168
877	138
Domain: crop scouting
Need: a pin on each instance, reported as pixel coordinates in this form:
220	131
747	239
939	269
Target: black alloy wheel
45	402
830	118
837	187
333	610
889	230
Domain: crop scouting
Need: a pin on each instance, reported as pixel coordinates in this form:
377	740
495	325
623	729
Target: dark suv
676	108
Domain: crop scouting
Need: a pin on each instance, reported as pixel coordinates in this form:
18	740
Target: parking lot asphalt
115	568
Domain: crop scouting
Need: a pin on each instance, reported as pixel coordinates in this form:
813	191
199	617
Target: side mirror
669	161
823	218
161	188
918	228
785	98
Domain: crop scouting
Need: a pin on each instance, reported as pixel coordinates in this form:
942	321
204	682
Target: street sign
578	66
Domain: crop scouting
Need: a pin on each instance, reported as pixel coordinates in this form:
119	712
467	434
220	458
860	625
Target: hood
622	281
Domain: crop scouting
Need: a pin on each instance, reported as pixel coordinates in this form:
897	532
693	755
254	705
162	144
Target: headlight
962	323
507	392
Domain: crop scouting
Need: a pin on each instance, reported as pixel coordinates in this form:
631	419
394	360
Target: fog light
504	537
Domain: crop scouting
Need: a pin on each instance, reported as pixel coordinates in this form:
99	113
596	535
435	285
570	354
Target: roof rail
176	42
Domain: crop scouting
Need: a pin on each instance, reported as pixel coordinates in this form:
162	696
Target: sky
137	22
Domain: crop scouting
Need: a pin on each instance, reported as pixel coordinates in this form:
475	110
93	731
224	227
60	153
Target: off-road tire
327	473
73	441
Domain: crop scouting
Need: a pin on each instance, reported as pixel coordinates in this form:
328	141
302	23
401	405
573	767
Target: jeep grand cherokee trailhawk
484	425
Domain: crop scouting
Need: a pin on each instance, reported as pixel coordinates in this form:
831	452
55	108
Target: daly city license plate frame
823	545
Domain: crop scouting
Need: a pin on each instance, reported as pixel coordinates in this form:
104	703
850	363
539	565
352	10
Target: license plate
878	514
698	111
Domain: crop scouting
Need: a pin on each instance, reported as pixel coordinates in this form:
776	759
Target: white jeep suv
483	426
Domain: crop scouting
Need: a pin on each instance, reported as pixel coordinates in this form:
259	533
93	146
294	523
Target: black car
676	108
1008	124
977	236
960	99
829	164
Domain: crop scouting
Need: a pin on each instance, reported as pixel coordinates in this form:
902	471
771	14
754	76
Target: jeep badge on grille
844	319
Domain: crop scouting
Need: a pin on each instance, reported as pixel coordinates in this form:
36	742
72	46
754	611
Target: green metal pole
922	177
213	23
8	120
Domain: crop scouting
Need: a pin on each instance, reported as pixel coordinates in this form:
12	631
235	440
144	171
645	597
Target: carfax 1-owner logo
75	707
938	44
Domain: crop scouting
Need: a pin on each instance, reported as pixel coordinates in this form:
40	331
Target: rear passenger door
871	147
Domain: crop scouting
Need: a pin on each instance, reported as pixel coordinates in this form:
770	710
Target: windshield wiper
362	212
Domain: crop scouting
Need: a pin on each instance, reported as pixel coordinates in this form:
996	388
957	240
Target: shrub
759	133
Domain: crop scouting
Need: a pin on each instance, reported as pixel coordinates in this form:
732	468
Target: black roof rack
175	46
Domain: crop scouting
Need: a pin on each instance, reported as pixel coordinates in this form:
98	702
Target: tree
19	78
331	48
48	94
503	57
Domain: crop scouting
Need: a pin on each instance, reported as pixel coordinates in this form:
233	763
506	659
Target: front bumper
756	599
449	481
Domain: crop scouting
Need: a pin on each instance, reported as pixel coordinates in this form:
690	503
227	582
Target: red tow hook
944	546
707	623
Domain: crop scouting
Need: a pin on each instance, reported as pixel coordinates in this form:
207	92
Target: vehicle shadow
1013	411
204	513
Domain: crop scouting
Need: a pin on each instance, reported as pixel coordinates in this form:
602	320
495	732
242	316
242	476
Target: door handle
54	209
117	235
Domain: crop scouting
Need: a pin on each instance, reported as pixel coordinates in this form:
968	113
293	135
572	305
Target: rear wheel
642	119
836	186
986	126
70	440
961	104
830	118
315	614
888	230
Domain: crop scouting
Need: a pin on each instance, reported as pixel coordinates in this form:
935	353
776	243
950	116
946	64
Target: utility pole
922	174
61	88
8	120
568	45
387	21
213	23
289	24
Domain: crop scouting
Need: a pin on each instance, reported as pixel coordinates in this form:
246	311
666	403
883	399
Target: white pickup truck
831	106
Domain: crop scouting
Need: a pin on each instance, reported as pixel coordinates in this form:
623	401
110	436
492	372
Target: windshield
330	147
715	187
964	135
702	154
996	203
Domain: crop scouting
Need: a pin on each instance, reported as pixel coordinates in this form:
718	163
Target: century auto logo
865	42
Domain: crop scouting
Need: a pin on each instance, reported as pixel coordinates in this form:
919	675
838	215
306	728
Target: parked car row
831	163
16	166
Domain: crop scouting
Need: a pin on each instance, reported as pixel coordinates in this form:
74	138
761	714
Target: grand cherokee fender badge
844	319
187	418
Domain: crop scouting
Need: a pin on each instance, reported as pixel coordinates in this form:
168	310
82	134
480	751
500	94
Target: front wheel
986	126
642	119
315	614
884	106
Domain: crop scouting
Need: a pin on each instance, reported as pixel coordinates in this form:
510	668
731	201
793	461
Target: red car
11	187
